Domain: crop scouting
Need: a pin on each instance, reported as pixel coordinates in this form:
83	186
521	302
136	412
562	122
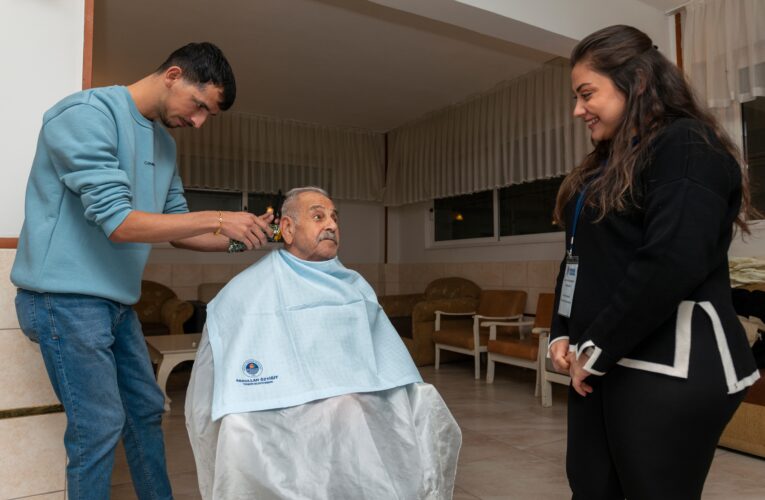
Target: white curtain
724	56
236	151
521	131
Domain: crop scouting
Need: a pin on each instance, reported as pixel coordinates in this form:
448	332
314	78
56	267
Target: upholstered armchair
414	317
160	311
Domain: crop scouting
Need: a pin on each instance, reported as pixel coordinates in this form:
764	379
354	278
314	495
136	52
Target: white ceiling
338	62
665	5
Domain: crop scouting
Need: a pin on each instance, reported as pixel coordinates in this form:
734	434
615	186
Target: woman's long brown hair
656	93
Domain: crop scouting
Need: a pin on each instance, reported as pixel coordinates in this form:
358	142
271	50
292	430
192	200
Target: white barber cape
302	389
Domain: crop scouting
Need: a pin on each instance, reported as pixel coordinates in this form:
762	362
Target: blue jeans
97	361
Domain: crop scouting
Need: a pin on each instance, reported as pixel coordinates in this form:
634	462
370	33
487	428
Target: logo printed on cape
252	368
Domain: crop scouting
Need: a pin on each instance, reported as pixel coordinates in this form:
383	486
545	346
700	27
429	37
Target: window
528	208
753	118
213	200
233	201
523	209
258	203
464	217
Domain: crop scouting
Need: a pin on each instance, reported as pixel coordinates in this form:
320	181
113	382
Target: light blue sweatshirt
97	159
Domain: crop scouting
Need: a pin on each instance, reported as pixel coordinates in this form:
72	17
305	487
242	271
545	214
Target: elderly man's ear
287	229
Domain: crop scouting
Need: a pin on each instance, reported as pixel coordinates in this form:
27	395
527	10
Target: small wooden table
169	350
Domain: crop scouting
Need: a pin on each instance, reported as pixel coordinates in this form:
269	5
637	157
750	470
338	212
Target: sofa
160	311
414	316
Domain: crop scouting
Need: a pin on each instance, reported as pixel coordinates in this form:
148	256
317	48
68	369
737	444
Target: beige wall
32	456
41	44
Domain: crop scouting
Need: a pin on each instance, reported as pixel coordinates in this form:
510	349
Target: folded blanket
287	331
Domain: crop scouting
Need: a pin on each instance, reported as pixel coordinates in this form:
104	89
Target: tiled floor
512	447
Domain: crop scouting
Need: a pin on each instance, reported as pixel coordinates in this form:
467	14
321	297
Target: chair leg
438	357
546	388
537	383
477	365
490	370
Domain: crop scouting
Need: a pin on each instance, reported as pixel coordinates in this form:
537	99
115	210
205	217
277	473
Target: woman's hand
578	373
559	355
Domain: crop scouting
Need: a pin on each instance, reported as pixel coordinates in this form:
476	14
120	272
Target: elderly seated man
303	390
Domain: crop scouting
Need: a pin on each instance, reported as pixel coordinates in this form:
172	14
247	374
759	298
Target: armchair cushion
458	337
525	348
462	335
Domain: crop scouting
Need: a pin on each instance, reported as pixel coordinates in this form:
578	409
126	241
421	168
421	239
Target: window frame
496	240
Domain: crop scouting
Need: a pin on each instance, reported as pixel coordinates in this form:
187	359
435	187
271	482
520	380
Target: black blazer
654	276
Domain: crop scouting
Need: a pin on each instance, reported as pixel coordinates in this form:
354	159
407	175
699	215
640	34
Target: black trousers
646	436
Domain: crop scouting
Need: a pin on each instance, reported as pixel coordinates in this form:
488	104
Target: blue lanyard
577	213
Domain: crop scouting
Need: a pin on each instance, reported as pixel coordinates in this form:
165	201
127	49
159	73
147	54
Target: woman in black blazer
658	359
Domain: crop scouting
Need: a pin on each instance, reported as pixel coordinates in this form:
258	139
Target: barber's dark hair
204	63
656	93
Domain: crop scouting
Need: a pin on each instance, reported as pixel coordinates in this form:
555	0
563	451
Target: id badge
568	285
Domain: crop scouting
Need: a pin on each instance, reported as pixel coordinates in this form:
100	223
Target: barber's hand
559	355
578	373
251	230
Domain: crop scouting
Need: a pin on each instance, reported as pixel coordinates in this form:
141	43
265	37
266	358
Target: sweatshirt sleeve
693	194
176	201
82	144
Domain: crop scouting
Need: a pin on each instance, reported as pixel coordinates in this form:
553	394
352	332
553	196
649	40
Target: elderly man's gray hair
288	206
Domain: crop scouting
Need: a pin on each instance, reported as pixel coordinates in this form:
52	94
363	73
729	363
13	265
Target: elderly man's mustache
327	235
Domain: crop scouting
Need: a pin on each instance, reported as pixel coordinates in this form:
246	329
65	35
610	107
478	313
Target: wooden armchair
160	311
521	350
471	338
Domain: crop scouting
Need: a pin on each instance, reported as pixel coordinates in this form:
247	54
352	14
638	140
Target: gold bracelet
220	223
